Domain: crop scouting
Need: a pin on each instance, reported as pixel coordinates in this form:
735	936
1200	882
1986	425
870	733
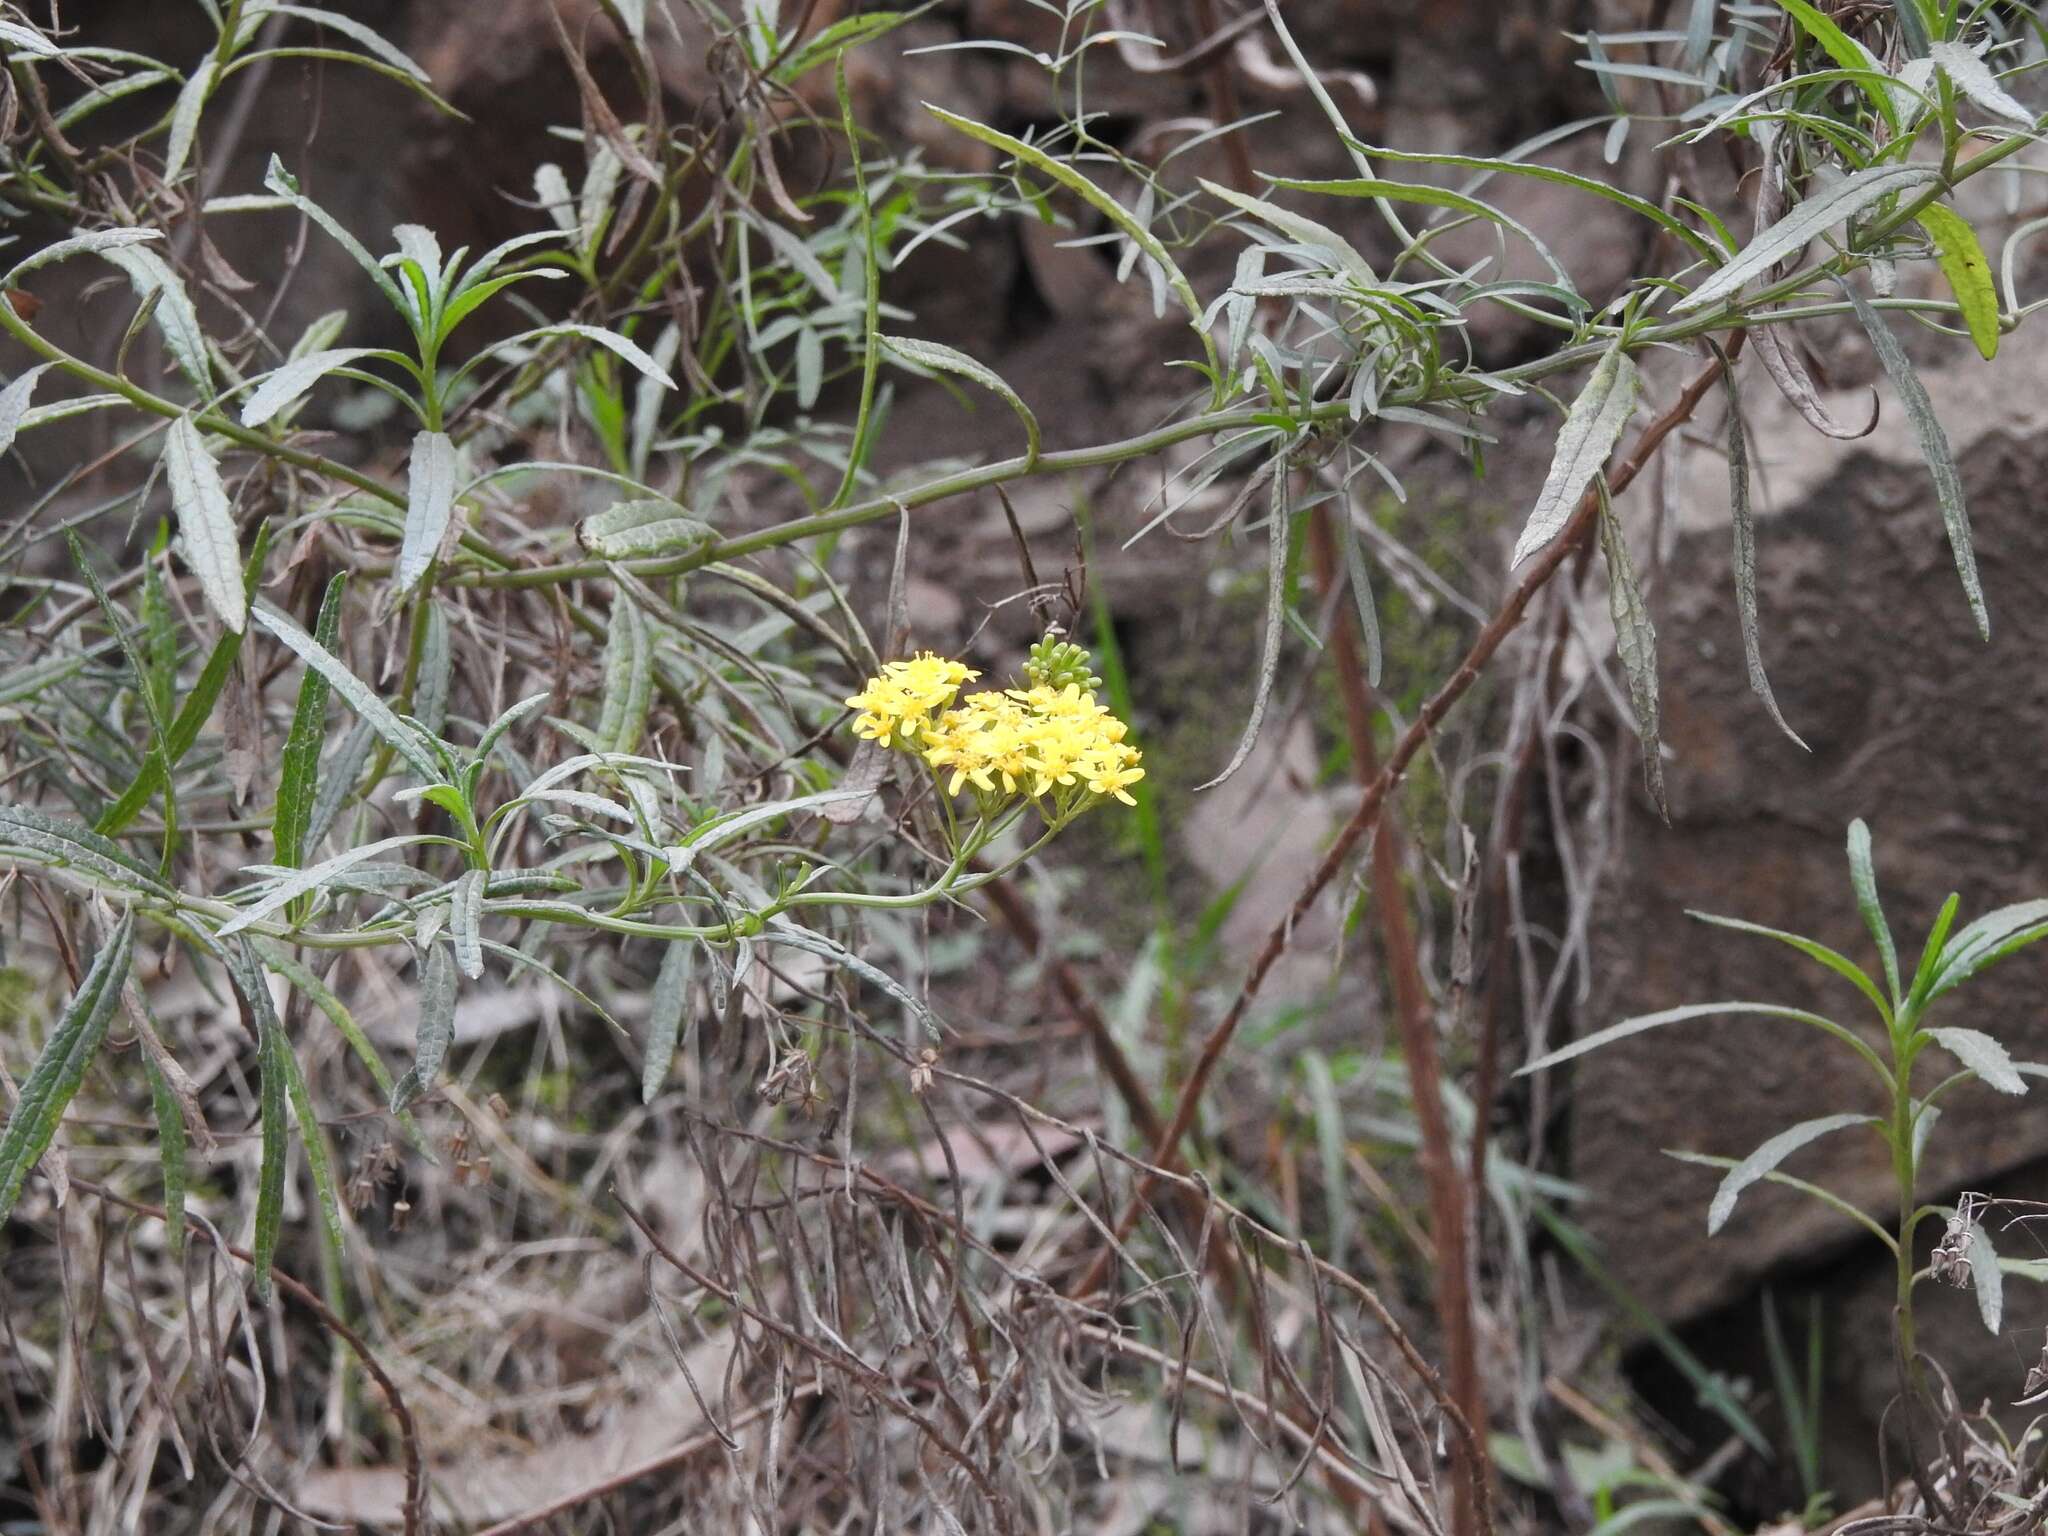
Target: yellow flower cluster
1046	741
898	704
1040	740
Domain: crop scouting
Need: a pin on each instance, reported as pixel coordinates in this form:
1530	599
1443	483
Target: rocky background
1913	723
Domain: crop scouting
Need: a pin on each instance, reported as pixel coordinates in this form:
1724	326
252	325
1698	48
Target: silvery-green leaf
1307	232
1648	1021
28	40
1591	429
523	710
628	679
551	188
1934	447
1791	234
245	970
301	881
781	930
67	844
1986	1279
1781	361
365	37
1863	881
152	278
170	1145
61	1065
286	185
1743	522
1767	1157
98	242
1923	1127
1359	578
667	1006
14	403
374	712
643	529
465	921
436	1027
1635	642
1972	76
945	359
185	118
429	502
1983	1056
1988	939
284	385
299	765
1277	529
611	341
206	522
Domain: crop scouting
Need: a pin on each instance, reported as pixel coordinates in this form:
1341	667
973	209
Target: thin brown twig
408	1432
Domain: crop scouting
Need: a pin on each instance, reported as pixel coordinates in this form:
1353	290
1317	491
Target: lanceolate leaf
312	879
1840	964
643	529
285	385
65	843
1941	462
1743	521
429	502
436	1027
1591	428
665	1014
1780	357
1276	615
1973	77
1791	234
1863	880
1635	642
1846	52
60	1068
945	359
185	118
628	679
1983	1056
1986	1279
98	242
354	691
170	1151
206	522
1988	940
299	769
14	403
1648	1021
611	341
1968	273
1767	1157
149	274
246	972
465	921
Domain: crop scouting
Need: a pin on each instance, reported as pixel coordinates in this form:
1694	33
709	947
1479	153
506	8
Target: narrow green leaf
67	844
1340	254
28	40
153	278
1848	53
1550	173
1986	1279
1863	880
97	243
283	386
312	879
245	970
465	921
185	118
1941	462
365	37
1591	429
429	504
206	523
1968	273
1840	964
1912	27
1277	530
944	359
1935	950
1359	578
628	679
1988	940
170	1151
1096	198
299	770
611	341
60	1068
1811	218
1983	1056
643	529
667	1007
1743	521
1648	1021
1635	643
358	695
1434	197
326	1194
286	185
14	403
1972	76
436	1027
1769	1156
278	960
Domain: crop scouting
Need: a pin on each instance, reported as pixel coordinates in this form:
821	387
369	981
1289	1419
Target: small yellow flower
896	704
